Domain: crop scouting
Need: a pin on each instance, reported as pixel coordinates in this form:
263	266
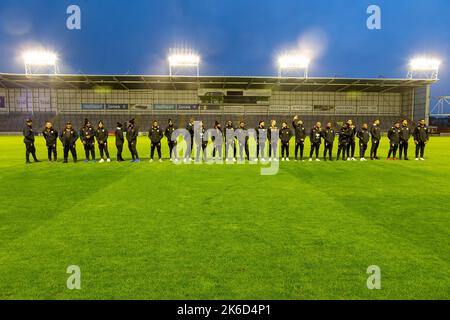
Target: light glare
293	62
185	60
40	58
425	64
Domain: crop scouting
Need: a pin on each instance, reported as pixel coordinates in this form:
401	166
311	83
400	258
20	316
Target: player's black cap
28	120
119	125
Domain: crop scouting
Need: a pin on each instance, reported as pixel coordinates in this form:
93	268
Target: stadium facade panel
117	98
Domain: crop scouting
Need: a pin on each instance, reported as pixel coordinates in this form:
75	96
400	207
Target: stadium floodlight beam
183	60
428	67
292	63
40	59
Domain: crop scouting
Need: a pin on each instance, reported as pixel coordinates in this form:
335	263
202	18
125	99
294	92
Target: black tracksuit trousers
103	150
393	150
299	146
420	149
119	152
328	151
72	150
156	146
404	149
314	149
89	150
52	152
374	148
30	149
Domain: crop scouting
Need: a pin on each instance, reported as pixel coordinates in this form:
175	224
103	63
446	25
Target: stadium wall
60	105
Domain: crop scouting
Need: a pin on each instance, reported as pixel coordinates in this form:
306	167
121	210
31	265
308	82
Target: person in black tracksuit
364	137
172	144
230	140
218	143
51	138
261	139
28	139
200	142
300	136
155	135
344	136
119	141
394	140
315	136
351	143
102	139
242	138
273	133
88	139
421	139
132	135
328	136
405	135
69	137
190	128
375	132
285	137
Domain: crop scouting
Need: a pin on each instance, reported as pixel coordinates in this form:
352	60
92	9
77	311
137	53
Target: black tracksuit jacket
300	132
50	136
155	135
363	136
394	136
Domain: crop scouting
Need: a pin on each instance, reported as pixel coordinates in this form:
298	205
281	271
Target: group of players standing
399	136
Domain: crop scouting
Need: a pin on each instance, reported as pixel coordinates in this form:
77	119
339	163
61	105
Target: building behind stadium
61	98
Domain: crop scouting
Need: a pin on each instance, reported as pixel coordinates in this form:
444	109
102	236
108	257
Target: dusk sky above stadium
232	37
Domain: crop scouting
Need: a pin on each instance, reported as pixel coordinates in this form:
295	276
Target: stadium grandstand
61	98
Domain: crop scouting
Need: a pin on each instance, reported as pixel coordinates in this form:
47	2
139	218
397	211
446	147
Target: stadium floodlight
427	67
293	63
40	60
183	60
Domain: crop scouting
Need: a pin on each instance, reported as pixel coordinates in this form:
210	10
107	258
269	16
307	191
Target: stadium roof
133	82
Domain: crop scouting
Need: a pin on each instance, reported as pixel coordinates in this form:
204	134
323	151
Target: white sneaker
417	159
317	159
101	161
171	160
175	160
160	160
263	160
353	159
282	159
151	160
276	159
270	159
348	159
310	159
234	160
185	160
108	160
422	159
287	159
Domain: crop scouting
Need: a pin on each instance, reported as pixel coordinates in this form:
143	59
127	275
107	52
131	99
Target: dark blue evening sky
233	37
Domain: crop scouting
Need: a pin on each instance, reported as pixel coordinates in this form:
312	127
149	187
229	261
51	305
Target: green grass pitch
161	231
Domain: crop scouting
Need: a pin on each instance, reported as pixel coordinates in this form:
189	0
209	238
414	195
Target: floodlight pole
305	71
29	69
439	107
430	74
171	71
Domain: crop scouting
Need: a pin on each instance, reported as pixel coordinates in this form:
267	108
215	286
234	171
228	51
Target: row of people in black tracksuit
68	137
399	136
